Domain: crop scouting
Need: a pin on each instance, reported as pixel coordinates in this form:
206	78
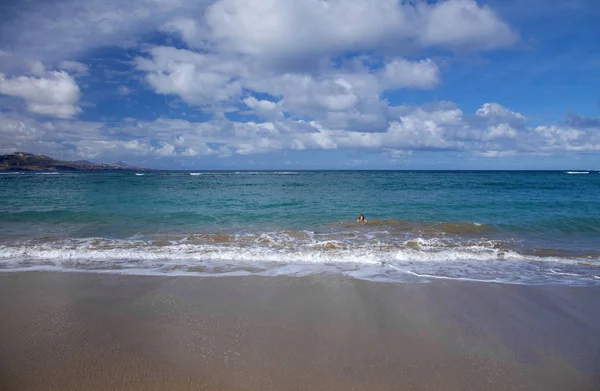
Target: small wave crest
299	252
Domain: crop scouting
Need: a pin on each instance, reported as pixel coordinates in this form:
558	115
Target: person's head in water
361	218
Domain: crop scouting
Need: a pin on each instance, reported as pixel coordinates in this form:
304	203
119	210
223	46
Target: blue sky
304	84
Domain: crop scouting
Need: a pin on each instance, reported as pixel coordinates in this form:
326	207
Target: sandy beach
68	331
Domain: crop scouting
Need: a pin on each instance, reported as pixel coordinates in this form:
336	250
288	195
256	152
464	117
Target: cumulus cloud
286	33
197	78
500	131
313	73
283	48
402	73
55	137
64	29
305	94
74	67
37	68
466	25
496	112
188	29
55	94
71	139
425	129
264	108
498	124
369	115
300	28
442	127
204	79
555	138
296	29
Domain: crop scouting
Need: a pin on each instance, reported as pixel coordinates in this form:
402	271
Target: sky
303	84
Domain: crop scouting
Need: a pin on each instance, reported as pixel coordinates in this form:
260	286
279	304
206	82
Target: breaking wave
372	257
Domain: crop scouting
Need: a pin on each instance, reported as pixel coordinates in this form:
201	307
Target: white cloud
416	128
197	78
556	138
64	29
54	94
348	97
274	31
401	73
74	67
203	79
187	29
282	48
495	111
500	120
369	115
264	108
298	65
494	153
290	29
52	137
421	129
500	131
305	94
37	68
465	24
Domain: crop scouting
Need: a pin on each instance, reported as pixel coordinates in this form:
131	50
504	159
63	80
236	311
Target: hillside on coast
23	161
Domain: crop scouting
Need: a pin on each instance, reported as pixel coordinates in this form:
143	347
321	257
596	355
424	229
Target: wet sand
67	331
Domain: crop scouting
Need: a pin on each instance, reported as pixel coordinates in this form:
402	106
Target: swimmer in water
361	218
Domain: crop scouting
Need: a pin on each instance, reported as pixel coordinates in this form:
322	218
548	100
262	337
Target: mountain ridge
25	161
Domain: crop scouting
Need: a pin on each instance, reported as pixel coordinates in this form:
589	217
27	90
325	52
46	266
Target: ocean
517	227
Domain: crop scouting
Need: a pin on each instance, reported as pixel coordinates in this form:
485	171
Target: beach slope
68	331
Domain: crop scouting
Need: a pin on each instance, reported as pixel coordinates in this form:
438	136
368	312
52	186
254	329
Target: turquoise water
514	227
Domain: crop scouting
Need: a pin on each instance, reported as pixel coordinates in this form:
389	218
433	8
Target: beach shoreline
86	331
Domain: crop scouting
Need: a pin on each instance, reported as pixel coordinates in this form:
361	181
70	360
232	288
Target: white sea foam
196	173
564	274
286	254
578	172
437	277
139	173
320	252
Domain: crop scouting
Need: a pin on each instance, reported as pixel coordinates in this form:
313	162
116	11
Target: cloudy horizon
311	84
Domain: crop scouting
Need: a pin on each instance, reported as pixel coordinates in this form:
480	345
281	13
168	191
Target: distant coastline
24	161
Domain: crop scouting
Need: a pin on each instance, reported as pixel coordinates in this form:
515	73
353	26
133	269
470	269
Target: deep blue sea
497	226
